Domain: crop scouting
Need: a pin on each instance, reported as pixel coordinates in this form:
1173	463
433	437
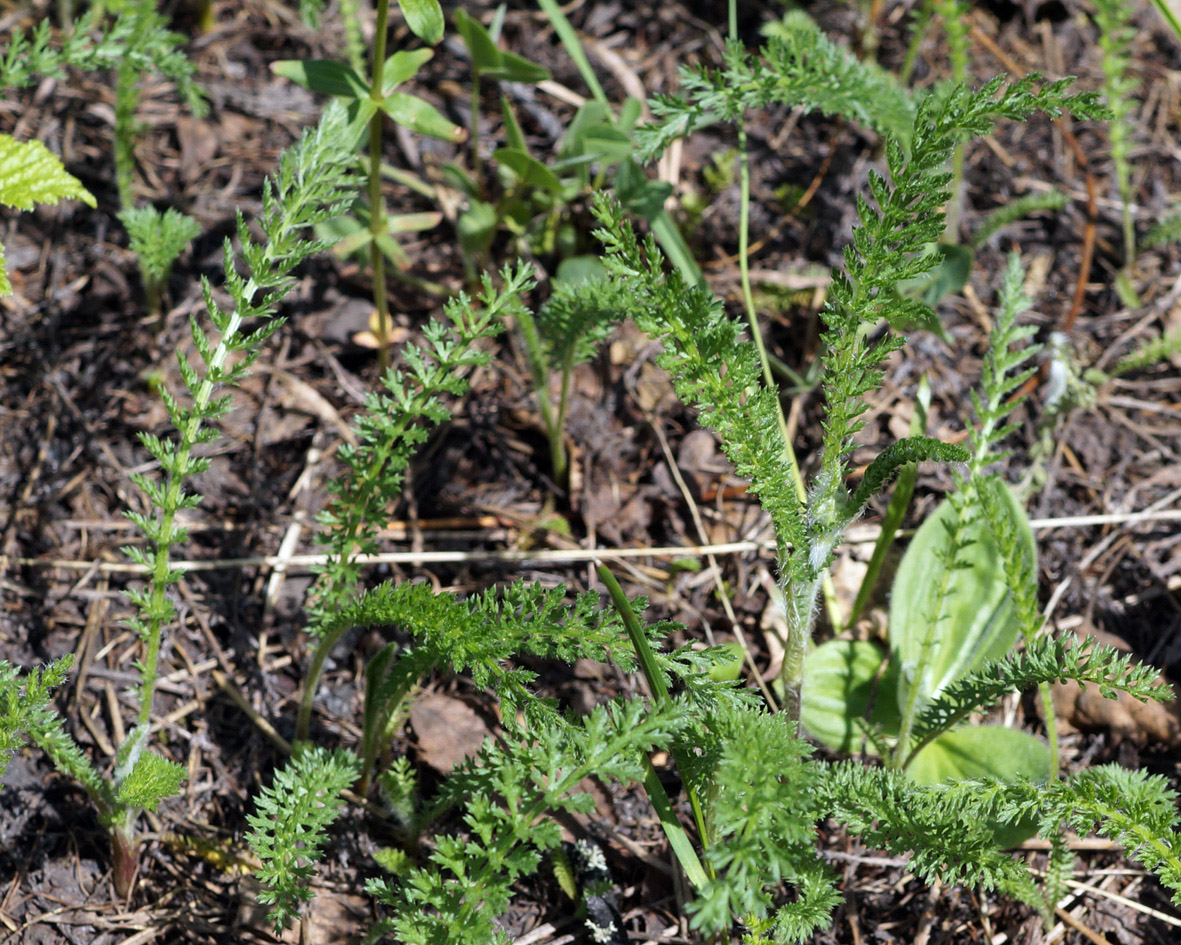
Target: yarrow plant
310	184
755	791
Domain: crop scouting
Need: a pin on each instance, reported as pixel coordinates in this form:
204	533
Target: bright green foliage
477	636
711	367
398	420
25	702
157	238
425	19
137	39
151	779
393	425
328	77
310	183
310	12
1136	809
26	712
913	449
576	318
566	332
290	826
149	47
30	174
950	607
947	829
890	246
399	791
1004	371
1044	660
898	225
845	702
800	67
764	805
489	61
371	98
455	898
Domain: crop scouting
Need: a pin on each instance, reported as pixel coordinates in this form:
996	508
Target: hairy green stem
752	317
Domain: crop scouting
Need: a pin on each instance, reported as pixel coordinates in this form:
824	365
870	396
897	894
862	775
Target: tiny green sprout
157	239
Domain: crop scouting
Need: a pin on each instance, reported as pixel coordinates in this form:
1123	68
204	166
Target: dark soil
80	356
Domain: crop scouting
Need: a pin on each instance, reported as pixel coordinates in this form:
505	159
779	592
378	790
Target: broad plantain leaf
842	688
948	617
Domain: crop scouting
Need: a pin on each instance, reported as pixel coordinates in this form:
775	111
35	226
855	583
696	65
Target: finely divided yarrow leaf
798	67
290	826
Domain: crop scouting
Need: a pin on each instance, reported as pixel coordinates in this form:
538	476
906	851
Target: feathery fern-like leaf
290	826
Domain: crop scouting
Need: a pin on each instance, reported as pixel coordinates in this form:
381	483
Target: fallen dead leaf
1142	723
447	730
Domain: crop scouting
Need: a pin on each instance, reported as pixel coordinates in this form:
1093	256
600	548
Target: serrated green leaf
985	751
325	76
153	779
30	174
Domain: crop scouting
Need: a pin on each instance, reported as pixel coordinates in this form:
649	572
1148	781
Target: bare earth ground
78	353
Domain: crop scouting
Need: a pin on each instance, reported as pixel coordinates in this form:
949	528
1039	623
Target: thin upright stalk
377	224
660	694
748	300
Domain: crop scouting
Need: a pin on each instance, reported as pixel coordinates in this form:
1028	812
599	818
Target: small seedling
370	100
157	239
565	333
